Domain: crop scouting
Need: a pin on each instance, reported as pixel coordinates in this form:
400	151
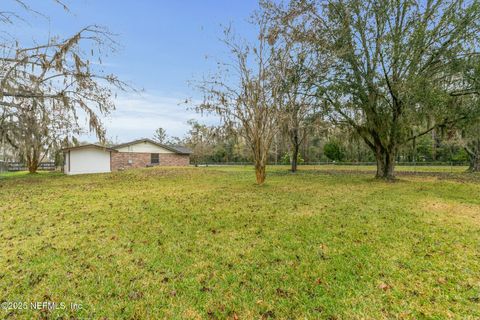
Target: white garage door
88	160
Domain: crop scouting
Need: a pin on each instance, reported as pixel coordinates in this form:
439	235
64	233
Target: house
94	158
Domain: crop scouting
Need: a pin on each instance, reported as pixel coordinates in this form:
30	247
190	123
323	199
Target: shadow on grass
457	176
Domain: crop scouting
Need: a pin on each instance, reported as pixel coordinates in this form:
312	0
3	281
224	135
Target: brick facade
173	159
129	160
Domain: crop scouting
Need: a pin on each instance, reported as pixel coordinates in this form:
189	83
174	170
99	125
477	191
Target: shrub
334	151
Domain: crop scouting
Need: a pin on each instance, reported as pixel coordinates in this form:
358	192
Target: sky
163	44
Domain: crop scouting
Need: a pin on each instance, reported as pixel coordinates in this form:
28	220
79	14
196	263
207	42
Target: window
154	159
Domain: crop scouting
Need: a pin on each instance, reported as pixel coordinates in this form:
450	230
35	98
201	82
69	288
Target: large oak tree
395	67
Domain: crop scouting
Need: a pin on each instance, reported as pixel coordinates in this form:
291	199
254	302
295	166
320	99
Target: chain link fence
19	166
411	167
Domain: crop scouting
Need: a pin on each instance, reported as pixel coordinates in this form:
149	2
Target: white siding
88	160
144	147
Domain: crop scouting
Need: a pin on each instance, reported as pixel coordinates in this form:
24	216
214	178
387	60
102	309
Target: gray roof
182	149
176	149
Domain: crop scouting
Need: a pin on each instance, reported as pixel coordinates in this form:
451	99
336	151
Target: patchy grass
15	174
207	243
25	174
370	168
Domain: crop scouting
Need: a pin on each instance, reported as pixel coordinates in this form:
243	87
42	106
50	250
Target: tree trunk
33	161
474	165
33	167
380	158
385	163
295	148
474	160
390	166
260	159
260	172
295	157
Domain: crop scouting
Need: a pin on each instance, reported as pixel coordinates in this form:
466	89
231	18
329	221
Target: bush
460	155
334	151
286	159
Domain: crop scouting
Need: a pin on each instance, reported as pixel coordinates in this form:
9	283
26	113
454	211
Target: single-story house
94	158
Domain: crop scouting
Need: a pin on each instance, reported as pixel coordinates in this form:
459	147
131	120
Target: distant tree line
215	144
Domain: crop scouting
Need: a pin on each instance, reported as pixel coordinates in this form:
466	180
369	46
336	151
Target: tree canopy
392	70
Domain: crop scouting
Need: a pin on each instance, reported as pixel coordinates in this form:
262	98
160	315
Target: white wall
145	147
88	160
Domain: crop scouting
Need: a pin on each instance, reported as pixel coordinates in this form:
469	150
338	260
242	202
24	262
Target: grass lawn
200	243
418	168
25	174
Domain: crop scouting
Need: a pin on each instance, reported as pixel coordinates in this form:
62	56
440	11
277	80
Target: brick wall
120	160
173	159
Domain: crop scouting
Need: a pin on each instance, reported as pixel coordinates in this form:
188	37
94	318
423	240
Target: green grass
15	174
441	169
207	243
25	174
418	168
400	169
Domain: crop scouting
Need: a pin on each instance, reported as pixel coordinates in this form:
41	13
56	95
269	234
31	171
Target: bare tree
250	98
300	106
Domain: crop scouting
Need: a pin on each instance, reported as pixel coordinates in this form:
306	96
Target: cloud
139	115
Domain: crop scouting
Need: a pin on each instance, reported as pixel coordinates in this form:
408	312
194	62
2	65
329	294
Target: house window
154	158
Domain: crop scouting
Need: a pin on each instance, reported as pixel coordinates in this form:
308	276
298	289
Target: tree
472	147
467	135
41	130
470	138
213	143
46	90
299	105
160	135
394	67
251	101
199	139
295	62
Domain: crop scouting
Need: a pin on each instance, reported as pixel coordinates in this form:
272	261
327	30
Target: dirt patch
469	212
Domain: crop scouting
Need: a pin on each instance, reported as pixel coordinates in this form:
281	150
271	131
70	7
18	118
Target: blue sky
163	45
